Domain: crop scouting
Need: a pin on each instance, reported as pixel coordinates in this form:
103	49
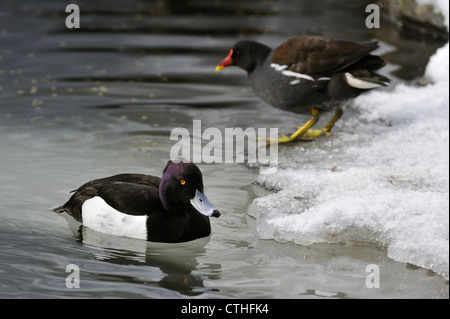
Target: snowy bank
382	177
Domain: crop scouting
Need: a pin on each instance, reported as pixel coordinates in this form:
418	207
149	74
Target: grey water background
91	102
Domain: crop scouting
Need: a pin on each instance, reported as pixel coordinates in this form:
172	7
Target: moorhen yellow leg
301	131
327	128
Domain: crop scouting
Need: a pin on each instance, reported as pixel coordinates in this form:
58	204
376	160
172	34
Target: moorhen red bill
308	75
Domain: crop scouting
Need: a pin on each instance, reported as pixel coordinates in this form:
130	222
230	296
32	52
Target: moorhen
308	75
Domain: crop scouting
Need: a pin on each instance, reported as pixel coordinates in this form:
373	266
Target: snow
382	177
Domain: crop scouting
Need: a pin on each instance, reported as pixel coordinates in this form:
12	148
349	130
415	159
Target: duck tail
71	210
60	209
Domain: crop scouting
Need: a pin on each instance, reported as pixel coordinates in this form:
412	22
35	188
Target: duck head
181	187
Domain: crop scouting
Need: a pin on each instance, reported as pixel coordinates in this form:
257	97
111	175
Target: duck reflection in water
177	262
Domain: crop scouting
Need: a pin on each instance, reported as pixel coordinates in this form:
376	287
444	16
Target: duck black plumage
168	209
308	75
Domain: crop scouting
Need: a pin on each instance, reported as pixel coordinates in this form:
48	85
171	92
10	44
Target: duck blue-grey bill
203	205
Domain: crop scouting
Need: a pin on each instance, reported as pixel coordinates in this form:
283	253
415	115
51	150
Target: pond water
86	103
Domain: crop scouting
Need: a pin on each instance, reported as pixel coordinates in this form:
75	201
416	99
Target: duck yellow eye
183	182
